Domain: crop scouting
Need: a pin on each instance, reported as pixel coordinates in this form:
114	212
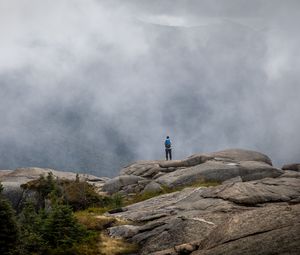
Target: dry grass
93	221
113	246
103	244
91	247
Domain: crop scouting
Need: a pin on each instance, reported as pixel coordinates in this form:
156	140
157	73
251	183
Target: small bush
81	195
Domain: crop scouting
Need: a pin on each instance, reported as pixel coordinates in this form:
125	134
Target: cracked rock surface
254	217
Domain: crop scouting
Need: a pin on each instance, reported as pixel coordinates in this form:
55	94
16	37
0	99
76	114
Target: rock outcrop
226	219
217	166
217	219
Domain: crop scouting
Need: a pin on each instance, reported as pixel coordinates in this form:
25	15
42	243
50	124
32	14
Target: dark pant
168	154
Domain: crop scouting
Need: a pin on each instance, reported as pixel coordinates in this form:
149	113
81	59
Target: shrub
81	195
78	194
56	231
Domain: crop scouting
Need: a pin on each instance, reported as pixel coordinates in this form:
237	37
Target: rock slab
226	219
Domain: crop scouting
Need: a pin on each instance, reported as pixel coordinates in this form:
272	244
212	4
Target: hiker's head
168	137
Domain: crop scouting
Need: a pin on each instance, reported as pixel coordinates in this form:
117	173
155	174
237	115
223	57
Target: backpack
168	144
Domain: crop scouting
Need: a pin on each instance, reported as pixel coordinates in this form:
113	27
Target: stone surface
4	172
294	167
246	233
220	171
118	183
143	168
125	231
216	166
233	180
256	192
149	169
185	221
291	174
152	187
241	155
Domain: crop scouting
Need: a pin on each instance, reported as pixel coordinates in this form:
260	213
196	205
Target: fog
90	86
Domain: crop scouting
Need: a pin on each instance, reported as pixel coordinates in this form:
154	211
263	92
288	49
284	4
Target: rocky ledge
235	164
255	211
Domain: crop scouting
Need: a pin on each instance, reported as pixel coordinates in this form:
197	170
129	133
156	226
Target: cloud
90	86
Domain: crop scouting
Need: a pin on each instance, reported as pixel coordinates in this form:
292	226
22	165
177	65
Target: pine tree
61	228
9	231
30	222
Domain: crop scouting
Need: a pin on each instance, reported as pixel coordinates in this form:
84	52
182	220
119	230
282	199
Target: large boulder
146	169
241	155
234	155
152	187
126	183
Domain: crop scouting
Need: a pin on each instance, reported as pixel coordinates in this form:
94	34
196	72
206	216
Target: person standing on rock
168	148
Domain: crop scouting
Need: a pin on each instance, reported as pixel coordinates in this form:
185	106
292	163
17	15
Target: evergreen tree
9	231
31	222
61	229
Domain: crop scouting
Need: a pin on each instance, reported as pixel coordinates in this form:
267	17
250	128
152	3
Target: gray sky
91	85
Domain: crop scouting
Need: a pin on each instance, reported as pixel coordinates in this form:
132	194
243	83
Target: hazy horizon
90	86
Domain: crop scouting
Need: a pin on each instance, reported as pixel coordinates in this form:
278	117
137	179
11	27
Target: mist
91	86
